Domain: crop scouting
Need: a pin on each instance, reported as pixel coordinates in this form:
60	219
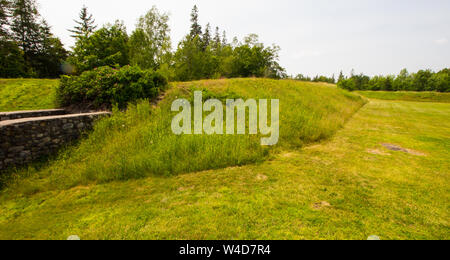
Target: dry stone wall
27	139
32	113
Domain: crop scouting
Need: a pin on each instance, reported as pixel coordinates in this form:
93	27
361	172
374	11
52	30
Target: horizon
316	37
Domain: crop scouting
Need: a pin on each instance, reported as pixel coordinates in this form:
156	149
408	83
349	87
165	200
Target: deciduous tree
150	43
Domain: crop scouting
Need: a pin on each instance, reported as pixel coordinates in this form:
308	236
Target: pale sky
315	36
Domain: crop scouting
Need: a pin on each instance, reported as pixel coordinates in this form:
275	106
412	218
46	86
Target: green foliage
249	59
12	64
196	29
4	23
105	86
324	79
51	54
106	47
423	80
42	53
150	44
201	56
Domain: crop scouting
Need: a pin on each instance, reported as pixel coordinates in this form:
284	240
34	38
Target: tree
12	64
224	38
403	81
196	29
86	25
206	38
25	26
341	76
150	43
50	55
441	81
252	59
421	80
216	40
4	23
190	59
107	46
42	52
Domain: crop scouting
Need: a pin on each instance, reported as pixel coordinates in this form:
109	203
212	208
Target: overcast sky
315	36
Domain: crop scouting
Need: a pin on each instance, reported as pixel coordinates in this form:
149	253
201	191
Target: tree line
423	80
29	49
317	78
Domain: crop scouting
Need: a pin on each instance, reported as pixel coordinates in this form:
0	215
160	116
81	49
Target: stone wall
25	140
32	113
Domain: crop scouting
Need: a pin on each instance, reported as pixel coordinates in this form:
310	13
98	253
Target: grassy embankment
27	94
347	188
140	143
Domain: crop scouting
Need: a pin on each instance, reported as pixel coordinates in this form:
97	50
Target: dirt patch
321	205
378	152
397	148
261	177
288	155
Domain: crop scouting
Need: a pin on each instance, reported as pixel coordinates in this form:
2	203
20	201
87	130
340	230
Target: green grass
407	96
140	143
27	94
394	195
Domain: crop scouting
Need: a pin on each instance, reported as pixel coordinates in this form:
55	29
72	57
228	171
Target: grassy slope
393	195
139	143
27	94
408	96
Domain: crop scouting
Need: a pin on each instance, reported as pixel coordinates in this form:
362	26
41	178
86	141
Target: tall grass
139	142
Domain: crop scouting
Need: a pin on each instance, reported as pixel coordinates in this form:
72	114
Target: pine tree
85	26
217	40
24	26
42	52
4	23
206	38
51	53
196	29
224	39
341	76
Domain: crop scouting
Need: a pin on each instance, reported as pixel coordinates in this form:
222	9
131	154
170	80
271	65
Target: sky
376	37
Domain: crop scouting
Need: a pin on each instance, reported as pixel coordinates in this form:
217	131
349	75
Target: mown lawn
27	94
407	96
349	187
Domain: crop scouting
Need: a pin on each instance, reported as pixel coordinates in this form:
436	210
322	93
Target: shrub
105	86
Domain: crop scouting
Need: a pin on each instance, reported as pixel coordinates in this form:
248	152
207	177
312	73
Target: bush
105	86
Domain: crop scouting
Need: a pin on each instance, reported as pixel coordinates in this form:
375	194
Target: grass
139	142
339	189
345	187
27	94
408	96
